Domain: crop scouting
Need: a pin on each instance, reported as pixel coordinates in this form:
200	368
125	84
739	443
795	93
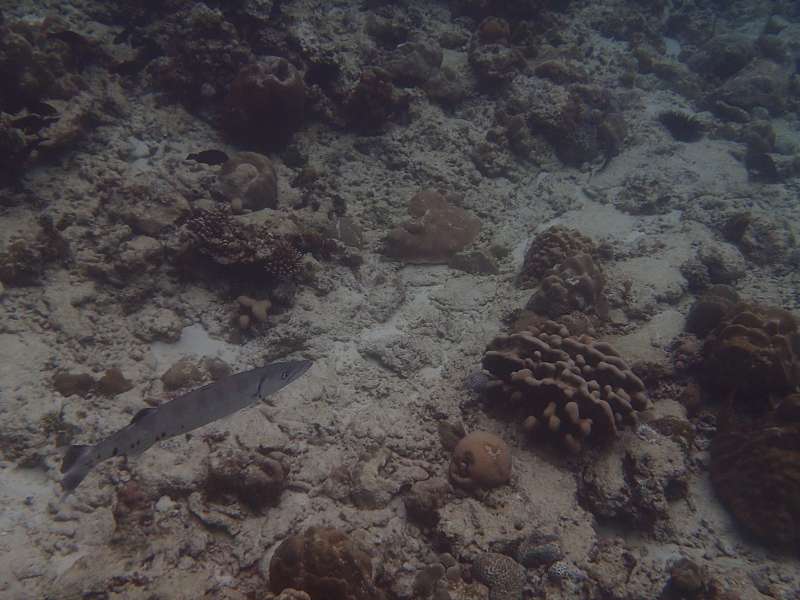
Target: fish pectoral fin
142	413
74	452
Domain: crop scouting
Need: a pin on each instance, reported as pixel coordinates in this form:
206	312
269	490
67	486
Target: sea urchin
683	126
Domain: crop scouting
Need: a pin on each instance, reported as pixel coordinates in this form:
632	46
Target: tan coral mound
437	231
549	249
577	284
571	388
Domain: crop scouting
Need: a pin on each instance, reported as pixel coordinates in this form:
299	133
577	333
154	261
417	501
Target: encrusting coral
438	230
575	389
242	249
577	284
249	182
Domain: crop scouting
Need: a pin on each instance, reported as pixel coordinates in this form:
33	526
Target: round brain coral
480	460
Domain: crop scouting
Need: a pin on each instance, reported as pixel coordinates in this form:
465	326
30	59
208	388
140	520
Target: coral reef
437	232
266	103
326	564
249	182
480	460
549	249
575	389
491	55
709	309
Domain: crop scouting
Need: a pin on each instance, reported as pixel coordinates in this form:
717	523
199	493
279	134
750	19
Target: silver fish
185	413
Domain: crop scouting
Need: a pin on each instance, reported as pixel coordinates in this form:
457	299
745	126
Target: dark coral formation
325	563
549	249
577	284
574	389
266	103
437	232
491	55
753	355
710	308
252	479
241	249
682	126
581	122
756	473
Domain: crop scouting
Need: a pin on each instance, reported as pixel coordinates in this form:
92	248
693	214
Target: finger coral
573	389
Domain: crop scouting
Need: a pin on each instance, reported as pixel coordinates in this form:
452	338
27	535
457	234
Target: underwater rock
414	63
572	389
723	55
492	57
709	309
480	460
266	103
374	102
763	240
325	563
254	480
27	249
634	484
549	249
437	232
249	182
760	84
425	498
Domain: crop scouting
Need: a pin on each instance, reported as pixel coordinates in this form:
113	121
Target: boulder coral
573	389
326	564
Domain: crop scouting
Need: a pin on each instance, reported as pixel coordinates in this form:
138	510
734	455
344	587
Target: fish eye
285	374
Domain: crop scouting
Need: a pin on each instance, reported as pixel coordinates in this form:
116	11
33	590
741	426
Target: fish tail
73	467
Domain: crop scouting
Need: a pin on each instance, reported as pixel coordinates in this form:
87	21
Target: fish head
275	376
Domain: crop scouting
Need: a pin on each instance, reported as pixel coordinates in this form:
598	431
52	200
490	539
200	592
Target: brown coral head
325	563
480	460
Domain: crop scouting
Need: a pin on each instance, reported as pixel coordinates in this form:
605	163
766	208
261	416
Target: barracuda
185	413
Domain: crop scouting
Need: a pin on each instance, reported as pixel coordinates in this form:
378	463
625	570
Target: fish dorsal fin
72	455
142	413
